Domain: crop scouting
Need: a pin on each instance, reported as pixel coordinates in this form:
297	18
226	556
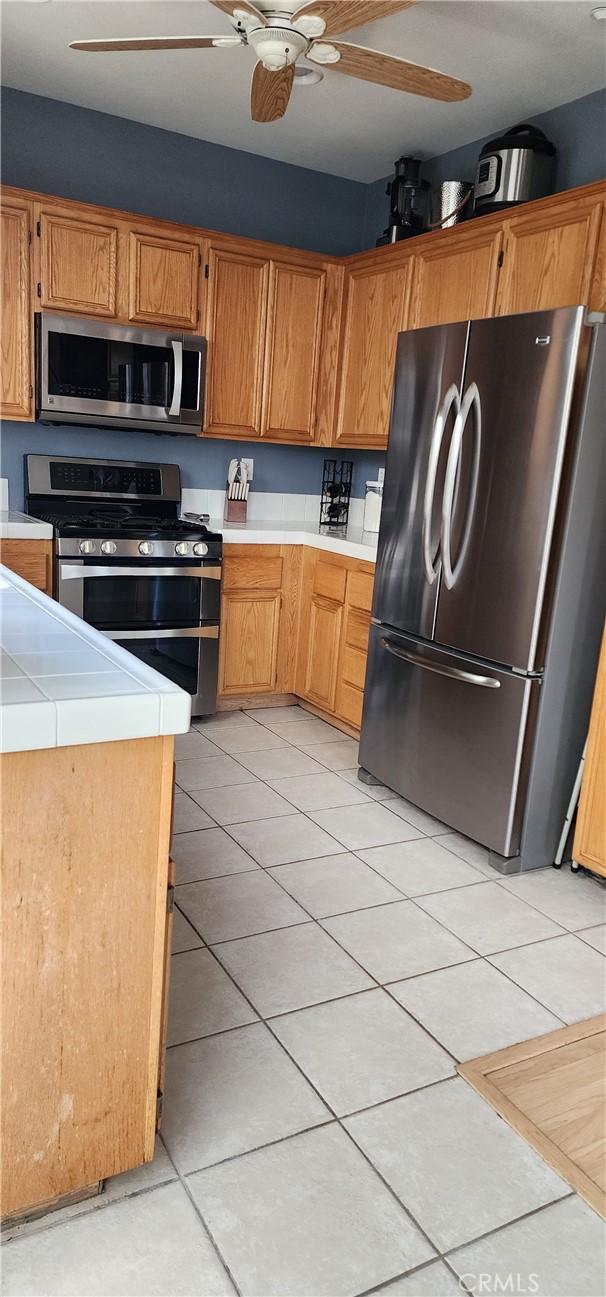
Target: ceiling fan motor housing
277	47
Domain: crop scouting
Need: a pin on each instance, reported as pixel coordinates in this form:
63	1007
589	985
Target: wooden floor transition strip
552	1090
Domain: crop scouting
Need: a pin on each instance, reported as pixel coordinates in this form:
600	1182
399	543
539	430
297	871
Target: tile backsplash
266	506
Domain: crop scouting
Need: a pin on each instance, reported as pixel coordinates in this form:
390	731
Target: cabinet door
248	657
376	310
163	280
354	649
16	380
31	559
549	257
323	596
455	278
237	309
294	329
590	837
320	679
77	264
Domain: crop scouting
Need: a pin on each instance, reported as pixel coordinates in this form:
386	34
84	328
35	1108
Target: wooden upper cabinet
16	377
294	334
455	279
549	257
235	329
163	280
375	311
78	264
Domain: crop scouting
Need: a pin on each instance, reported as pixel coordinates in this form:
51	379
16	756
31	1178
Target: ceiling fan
283	31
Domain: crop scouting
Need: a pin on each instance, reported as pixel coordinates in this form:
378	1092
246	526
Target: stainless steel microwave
113	375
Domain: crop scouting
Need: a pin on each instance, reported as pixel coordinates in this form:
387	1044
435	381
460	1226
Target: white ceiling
521	57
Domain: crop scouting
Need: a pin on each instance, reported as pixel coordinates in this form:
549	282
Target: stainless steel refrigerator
489	589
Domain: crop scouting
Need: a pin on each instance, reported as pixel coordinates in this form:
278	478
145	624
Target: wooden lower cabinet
354	646
336	597
83	951
590	837
31	559
259	620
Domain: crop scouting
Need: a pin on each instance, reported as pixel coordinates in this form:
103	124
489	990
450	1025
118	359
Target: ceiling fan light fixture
277	47
306	76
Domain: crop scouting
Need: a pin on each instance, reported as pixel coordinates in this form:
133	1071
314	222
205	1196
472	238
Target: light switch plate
249	468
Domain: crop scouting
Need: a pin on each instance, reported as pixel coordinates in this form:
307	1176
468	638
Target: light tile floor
336	952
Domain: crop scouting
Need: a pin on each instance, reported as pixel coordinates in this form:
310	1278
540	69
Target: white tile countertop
354	542
19	526
62	682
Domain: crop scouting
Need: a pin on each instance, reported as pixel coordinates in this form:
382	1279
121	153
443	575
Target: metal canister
453	202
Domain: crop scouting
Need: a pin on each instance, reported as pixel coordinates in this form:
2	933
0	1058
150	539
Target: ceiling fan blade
385	70
230	6
342	15
155	43
270	92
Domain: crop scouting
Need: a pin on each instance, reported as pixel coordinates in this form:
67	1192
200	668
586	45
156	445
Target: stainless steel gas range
127	563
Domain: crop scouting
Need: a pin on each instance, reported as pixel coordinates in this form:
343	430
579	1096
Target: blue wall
203	463
93	157
577	129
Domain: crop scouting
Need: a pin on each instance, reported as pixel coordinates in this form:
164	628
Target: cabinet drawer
329	581
357	628
359	590
353	666
253	573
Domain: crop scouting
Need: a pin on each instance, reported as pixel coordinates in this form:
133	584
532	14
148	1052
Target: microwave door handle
175	405
440	668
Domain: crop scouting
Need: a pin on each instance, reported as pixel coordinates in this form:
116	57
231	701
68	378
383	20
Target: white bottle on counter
373	502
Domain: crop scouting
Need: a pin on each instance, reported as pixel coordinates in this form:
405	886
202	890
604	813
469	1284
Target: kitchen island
86	778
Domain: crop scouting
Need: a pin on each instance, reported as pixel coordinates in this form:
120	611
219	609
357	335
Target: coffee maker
409	202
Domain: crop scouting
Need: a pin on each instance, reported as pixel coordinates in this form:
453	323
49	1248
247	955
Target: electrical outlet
249	464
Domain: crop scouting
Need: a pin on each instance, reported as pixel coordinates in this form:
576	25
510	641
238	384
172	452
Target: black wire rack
336	492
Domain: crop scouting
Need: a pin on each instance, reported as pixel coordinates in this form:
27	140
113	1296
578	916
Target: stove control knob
182	548
146	547
200	548
87	546
108	547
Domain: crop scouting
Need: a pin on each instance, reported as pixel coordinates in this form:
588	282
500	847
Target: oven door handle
77	572
190	632
175	405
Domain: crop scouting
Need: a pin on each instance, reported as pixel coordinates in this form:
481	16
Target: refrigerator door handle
452	398
439	668
470	399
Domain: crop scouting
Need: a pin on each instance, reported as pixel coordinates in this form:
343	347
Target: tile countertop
354	542
19	526
63	682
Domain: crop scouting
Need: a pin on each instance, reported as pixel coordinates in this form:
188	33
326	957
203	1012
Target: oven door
95	372
139	596
188	656
167	616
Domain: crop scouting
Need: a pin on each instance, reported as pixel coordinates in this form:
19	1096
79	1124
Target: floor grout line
333	1118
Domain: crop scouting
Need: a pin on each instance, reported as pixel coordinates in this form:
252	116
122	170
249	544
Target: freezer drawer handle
451	399
468	677
470	399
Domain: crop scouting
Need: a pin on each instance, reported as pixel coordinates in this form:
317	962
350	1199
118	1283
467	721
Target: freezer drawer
449	734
